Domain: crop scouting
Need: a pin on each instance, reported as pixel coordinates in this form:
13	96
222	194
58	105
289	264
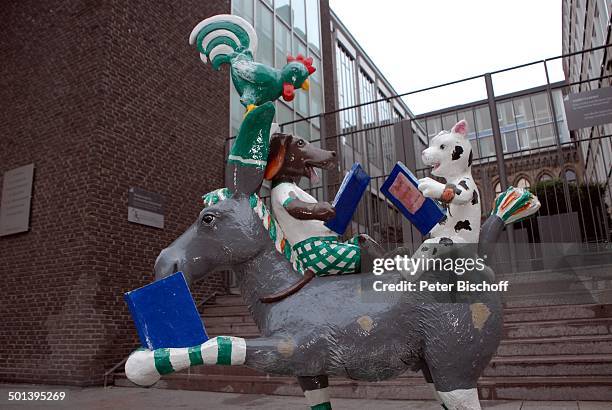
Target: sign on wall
146	208
588	108
16	200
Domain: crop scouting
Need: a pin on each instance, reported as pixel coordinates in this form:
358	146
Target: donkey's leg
460	399
145	367
430	383
316	390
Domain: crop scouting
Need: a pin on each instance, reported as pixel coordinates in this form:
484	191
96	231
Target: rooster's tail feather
218	37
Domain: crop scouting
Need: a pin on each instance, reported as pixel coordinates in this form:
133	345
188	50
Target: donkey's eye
442	146
301	143
207	219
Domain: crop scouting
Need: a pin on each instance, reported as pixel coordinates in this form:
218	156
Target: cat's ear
460	128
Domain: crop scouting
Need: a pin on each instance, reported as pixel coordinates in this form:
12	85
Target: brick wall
100	96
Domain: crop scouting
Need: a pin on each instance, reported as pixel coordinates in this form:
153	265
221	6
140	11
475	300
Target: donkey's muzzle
166	264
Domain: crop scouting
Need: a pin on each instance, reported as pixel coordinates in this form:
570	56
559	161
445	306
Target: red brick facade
101	97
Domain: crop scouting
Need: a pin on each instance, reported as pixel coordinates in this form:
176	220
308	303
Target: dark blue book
401	188
165	314
348	197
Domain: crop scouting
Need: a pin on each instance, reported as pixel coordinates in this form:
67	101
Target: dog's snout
333	154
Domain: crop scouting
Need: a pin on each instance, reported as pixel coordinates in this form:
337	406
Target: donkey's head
226	233
229	230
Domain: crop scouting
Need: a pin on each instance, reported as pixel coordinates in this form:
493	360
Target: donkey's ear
276	158
460	128
248	157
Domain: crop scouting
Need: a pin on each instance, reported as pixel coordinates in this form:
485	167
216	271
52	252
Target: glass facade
525	122
285	27
366	132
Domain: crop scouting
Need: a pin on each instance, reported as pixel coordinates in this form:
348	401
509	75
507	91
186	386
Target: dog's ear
278	149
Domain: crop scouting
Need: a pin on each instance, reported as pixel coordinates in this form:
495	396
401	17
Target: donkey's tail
145	367
513	205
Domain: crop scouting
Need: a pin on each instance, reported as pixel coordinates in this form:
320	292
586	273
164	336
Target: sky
421	43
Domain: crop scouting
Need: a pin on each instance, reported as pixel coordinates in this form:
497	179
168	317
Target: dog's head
449	153
292	156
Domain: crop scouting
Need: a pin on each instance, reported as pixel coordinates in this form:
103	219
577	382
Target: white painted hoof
140	368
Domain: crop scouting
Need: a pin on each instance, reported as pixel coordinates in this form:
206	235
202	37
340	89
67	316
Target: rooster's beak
306	84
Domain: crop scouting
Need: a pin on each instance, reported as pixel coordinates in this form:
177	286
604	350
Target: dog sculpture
301	216
450	155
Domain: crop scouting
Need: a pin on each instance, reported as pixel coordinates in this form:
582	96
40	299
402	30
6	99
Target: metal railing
556	163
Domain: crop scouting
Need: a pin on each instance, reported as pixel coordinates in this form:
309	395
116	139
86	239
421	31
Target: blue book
165	314
401	188
349	194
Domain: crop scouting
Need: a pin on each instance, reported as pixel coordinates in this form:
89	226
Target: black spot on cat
457	152
446	241
470	159
435	250
443	220
474	198
463	225
425	248
464	184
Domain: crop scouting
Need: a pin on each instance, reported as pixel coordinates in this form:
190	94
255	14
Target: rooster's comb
306	61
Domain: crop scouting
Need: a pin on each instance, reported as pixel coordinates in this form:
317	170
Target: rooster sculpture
228	39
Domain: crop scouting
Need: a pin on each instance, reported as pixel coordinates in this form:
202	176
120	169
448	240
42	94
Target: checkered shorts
328	256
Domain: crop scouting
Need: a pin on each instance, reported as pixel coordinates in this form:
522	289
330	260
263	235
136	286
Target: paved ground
119	398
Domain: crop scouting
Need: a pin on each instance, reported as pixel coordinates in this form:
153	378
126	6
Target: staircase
561	352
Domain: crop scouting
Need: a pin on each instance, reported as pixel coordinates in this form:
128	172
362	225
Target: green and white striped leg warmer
318	399
145	367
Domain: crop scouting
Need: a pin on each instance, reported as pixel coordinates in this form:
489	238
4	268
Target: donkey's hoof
140	368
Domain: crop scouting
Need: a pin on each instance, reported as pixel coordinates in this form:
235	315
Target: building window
523	183
283	10
545	177
312	21
277	39
346	87
570	175
497	188
299	17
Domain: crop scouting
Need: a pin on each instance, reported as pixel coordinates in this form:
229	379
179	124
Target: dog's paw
324	211
431	188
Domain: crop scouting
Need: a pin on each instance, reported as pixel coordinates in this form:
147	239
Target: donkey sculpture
327	328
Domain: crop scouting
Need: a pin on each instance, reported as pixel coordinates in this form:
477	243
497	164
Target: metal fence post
405	152
501	164
323	142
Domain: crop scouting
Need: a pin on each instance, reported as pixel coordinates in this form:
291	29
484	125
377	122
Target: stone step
556	312
224	310
219	314
225	320
240	314
234	329
556	328
568	297
402	388
552	365
543	346
513	330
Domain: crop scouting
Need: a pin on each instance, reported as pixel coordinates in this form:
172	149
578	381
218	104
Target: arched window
545	177
570	175
523	183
